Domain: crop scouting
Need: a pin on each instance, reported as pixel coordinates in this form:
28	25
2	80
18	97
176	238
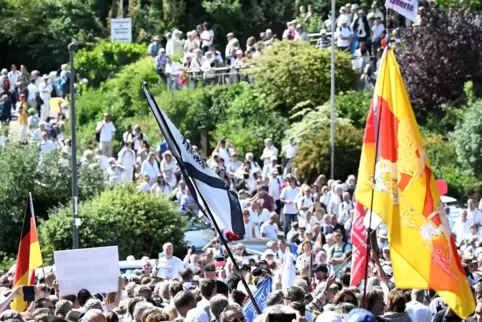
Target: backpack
332	251
6	84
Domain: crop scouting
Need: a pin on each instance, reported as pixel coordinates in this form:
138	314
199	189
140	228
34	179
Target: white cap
268	252
388	270
344	19
268	31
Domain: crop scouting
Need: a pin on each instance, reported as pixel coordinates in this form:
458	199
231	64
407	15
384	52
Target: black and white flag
210	190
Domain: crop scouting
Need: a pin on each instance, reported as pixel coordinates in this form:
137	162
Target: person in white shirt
127	158
416	309
169	168
253	165
46	145
473	213
13	76
290	153
344	35
268	168
101	160
378	31
462	225
207	37
270	229
224	150
335	199
301	34
249	226
150	168
288	198
114	172
106	131
144	184
233	165
170	267
274	189
45	89
197	60
173	71
304	201
161	187
344	208
177	44
32	94
268	151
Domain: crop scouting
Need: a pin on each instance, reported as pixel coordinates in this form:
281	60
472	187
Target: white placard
95	269
121	30
407	8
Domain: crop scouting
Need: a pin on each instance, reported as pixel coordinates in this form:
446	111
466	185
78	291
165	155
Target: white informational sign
95	269
121	30
407	8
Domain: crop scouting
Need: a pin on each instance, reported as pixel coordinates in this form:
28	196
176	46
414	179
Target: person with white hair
140	308
268	151
114	172
45	89
344	34
335	200
101	159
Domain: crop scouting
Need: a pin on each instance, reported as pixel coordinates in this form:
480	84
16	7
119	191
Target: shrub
291	72
313	156
467	139
106	59
439	78
354	106
49	185
138	223
248	122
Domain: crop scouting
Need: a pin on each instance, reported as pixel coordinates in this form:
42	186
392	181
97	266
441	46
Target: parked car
198	233
453	207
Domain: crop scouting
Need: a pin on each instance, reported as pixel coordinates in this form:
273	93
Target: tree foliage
291	72
467	139
138	223
249	121
437	58
105	60
49	185
313	156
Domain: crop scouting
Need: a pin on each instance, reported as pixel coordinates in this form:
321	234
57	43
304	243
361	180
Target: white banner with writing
407	8
95	269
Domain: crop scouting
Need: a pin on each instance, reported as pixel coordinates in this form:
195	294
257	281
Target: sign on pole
95	269
121	30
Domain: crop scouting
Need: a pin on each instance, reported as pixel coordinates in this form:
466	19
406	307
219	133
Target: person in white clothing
46	145
473	213
45	89
344	208
144	184
233	165
169	266
416	309
268	168
101	159
304	202
169	169
13	76
32	94
207	37
127	158
269	151
288	198
224	150
249	226
177	44
270	229
378	31
344	35
274	189
106	132
161	187
462	225
290	153
150	168
114	172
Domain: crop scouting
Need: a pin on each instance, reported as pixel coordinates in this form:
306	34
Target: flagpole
378	118
206	211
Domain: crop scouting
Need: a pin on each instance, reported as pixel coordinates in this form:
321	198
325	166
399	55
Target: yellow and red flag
395	178
29	256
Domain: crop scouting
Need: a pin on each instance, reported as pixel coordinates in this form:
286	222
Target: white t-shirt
269	230
461	229
377	31
343	32
475	216
170	268
207	34
32	92
304	201
226	154
274	187
290	151
107	130
290	194
248	230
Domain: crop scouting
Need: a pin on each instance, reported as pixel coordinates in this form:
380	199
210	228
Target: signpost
121	30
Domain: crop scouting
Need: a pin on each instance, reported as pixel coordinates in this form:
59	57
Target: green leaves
137	222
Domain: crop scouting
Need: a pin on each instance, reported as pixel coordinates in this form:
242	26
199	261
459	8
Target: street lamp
75	216
332	91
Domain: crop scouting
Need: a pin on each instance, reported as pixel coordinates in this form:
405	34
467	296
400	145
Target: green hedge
291	72
137	222
106	59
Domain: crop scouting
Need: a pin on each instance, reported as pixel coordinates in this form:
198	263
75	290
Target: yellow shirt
23	115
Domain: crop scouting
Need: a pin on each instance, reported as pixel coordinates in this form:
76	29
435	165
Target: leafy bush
467	139
49	185
248	122
291	72
354	106
105	60
450	44
313	156
137	222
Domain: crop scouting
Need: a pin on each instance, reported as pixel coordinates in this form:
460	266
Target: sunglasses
238	320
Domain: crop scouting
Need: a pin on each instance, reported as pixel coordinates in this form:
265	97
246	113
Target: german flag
29	256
